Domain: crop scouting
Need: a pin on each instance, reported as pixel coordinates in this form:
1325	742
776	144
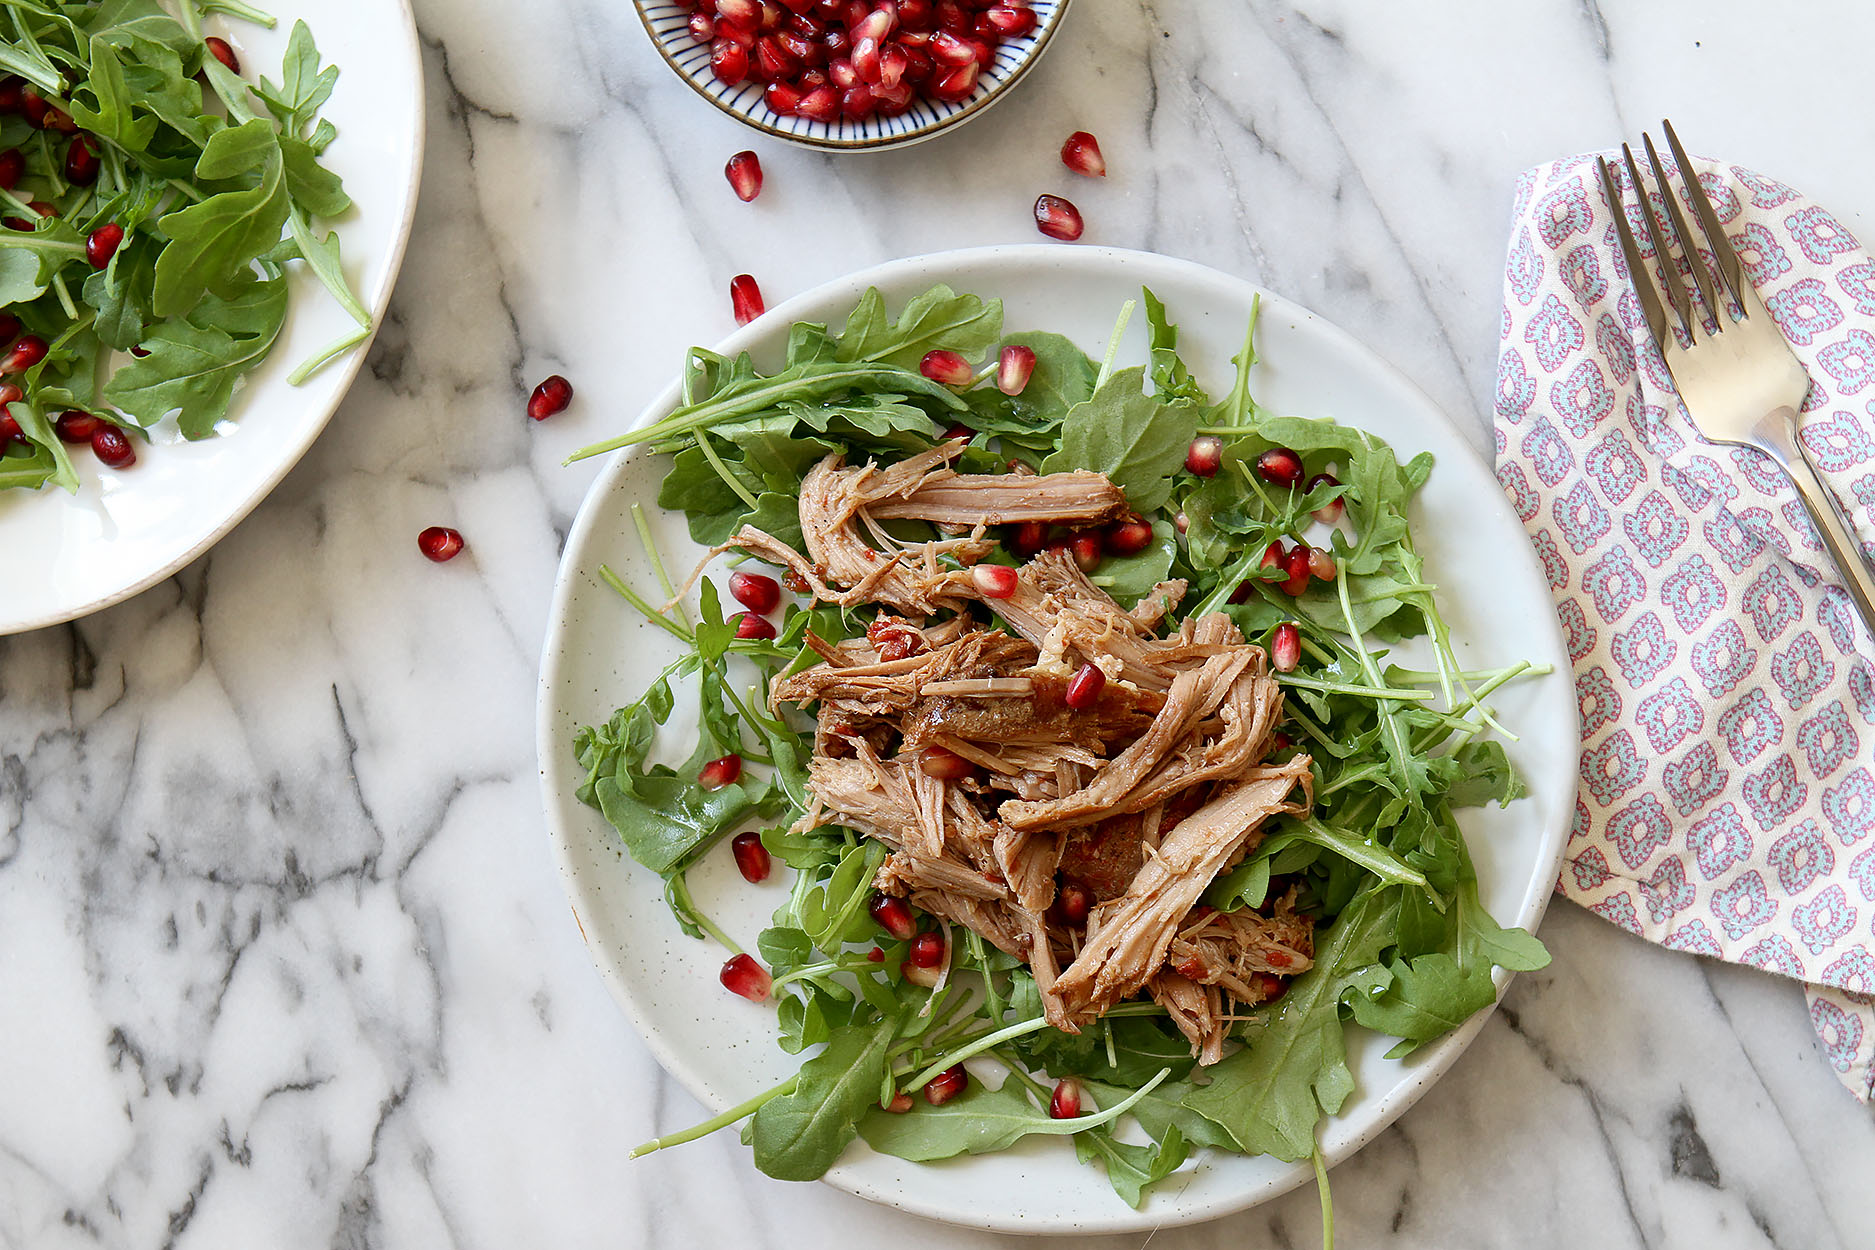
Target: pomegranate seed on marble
550	397
945	765
1205	455
1296	565
745	299
1084	687
112	447
439	543
751	626
703	27
946	1085
729	61
1075	902
1280	467
1008	20
893	915
1285	647
1321	564
1066	1102
759	594
1014	367
219	49
900	1104
27	352
103	244
1087	551
993	581
73	425
1129	538
927	949
752	859
720	772
947	367
1331	512
958	85
12	167
742	975
744	172
1081	153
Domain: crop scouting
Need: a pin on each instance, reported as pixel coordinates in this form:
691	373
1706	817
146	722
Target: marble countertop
284	960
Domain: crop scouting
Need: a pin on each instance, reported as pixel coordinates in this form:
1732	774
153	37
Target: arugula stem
643	525
187	192
1364	692
734	483
951	1059
325	355
1113	343
740	1111
65	295
1239	402
1328	1204
235	8
681	888
1389	721
650	613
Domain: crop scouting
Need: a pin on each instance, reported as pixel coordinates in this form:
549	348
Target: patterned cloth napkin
1728	710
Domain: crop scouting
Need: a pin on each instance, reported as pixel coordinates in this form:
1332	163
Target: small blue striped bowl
668	26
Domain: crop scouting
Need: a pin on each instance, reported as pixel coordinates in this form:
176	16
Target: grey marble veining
283	958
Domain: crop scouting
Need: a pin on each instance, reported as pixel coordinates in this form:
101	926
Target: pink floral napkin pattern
1727	800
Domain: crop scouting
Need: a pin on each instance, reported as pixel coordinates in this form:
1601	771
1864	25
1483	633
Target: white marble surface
283	960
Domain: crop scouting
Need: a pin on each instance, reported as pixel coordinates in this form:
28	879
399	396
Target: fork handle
1838	535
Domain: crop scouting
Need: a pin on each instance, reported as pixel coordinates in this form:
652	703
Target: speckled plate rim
1553	774
976	106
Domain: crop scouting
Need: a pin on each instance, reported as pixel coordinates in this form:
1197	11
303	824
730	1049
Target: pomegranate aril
900	1104
926	977
1075	902
782	98
755	592
1129	538
892	65
944	765
1285	647
103	244
948	49
439	543
773	15
773	61
1332	511
1084	687
893	100
550	397
1008	20
1321	564
752	859
744	172
958	429
1269	985
74	425
1087	551
858	102
1057	218
219	49
877	24
749	625
958	85
918	66
29	351
812	80
12	167
804	25
893	915
808	52
720	772
994	581
1081	153
946	1085
1280	467
112	447
947	367
1014	367
1296	565
875	955
1065	1104
1181	523
741	12
702	27
822	104
742	975
915	15
9	429
12	96
952	16
745	299
729	61
1205	455
841	74
927	949
1276	556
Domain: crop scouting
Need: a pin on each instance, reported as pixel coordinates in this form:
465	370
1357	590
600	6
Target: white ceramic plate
600	654
126	531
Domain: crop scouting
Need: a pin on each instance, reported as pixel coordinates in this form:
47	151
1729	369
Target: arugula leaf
978	1121
939	319
1170	377
1133	1169
1137	440
304	86
211	243
801	1134
193	364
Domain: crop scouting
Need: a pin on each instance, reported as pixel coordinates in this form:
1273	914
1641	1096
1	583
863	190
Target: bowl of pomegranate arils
851	74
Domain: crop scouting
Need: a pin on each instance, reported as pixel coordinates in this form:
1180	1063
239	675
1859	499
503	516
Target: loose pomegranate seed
759	594
74	426
927	949
103	244
1129	538
959	430
946	1085
720	772
926	977
1027	538
993	581
110	446
1280	467
742	975
29	351
865	59
900	1103
1075	902
741	12
550	397
877	24
1296	565
773	61
1057	218
82	164
729	61
1008	20
945	765
12	167
1084	687
34	106
948	49
1086	550
947	367
1321	564
1330	512
1276	556
1081	153
1205	455
744	172
1269	985
875	955
1014	368
9	429
782	98
893	62
439	543
219	49
1286	647
749	625
822	104
893	915
960	84
1281	742
703	27
751	857
745	298
1066	1102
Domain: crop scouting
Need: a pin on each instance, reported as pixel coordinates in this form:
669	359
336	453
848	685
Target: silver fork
1741	383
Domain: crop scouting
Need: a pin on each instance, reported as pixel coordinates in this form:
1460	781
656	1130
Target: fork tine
1702	277
1731	272
1669	273
1631	252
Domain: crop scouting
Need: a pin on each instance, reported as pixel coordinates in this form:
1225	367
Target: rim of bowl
1039	40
